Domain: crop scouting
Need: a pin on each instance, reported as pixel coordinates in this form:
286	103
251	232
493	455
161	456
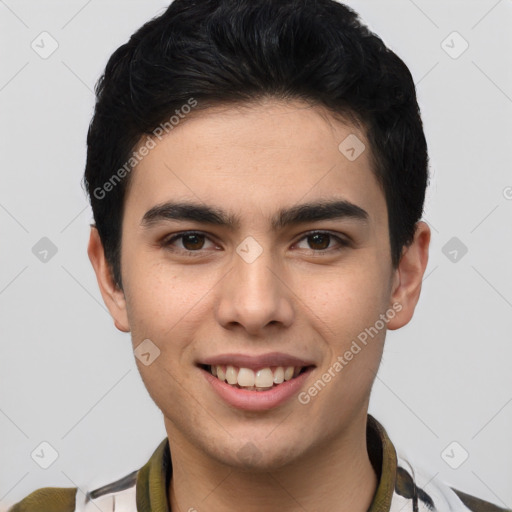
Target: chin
258	457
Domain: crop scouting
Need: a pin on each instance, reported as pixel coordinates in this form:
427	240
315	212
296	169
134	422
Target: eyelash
166	243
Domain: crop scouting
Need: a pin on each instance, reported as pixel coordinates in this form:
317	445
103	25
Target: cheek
164	304
347	316
163	307
347	299
153	289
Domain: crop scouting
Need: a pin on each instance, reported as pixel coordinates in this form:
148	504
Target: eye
191	241
319	241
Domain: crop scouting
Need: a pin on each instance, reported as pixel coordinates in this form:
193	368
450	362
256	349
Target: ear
409	276
112	295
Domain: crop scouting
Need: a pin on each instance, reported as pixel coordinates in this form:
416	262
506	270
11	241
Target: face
258	284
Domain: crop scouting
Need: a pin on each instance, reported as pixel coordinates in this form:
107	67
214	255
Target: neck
336	476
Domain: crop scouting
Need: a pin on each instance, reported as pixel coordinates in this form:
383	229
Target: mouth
249	379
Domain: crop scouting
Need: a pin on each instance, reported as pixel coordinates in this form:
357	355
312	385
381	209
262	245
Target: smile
254	380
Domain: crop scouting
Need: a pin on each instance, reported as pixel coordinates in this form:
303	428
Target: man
257	171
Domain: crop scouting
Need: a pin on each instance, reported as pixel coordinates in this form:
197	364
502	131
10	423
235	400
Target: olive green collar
154	477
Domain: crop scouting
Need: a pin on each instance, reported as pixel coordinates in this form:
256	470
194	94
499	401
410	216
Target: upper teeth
264	378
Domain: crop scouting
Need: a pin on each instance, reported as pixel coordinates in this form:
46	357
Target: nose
255	296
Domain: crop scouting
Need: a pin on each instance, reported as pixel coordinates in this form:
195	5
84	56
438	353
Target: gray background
69	378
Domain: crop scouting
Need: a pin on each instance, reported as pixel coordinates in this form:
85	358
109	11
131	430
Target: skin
298	297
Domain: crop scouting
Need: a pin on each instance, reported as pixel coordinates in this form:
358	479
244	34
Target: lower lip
257	400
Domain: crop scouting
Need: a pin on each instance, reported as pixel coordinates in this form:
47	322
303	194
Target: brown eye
193	242
319	241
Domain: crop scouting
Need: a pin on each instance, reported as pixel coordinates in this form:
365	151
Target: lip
257	400
256	362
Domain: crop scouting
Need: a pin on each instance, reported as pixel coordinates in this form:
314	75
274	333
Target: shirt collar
154	477
384	461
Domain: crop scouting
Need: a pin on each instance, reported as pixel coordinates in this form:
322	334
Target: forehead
254	157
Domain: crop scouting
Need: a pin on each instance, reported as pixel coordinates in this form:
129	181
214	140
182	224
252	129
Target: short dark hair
241	51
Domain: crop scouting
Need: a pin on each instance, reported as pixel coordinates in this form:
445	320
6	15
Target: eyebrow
300	214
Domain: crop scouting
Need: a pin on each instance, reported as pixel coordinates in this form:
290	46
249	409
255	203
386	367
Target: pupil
196	240
320	236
